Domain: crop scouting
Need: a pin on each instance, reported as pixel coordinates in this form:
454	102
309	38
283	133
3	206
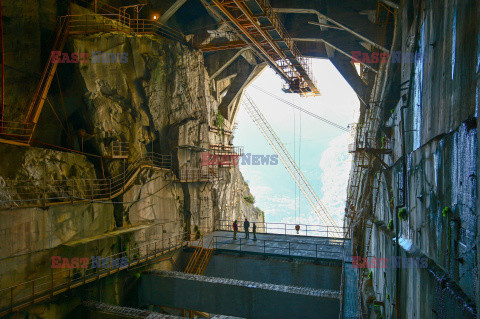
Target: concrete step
103	310
236	297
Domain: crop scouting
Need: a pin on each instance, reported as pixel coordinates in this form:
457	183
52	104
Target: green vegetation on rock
402	213
249	199
446	211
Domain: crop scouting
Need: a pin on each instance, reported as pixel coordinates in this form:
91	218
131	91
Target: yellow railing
22	295
201	257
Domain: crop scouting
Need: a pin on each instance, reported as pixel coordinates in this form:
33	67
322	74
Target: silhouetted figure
235	229
254	231
246	225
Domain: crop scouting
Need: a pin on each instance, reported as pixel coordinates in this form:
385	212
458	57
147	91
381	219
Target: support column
171	11
349	73
241	81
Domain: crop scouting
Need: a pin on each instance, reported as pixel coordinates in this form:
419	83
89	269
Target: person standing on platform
246	225
235	229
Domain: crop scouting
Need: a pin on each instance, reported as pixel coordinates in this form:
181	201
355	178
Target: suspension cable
302	109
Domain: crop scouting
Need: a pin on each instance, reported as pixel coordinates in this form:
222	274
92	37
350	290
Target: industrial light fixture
155	17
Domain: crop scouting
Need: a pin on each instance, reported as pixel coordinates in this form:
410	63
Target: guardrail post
285	229
73	190
306	230
264	247
316	250
51	282
44	189
240	244
289	248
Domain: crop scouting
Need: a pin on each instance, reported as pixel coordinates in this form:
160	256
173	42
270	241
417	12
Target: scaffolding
106	19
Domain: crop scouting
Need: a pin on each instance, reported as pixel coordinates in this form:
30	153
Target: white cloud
335	164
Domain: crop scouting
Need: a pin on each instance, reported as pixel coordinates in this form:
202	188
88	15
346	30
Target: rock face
157	99
421	202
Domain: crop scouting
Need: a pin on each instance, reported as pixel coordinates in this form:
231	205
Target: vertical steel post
51	282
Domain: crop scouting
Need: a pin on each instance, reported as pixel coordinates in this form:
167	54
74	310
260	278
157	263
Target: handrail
276	247
26	193
289	229
42	288
206	258
195	256
201	256
21	132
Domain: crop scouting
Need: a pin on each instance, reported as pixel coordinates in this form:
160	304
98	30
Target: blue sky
323	148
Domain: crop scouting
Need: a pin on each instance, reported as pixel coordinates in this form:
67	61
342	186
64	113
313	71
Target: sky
320	150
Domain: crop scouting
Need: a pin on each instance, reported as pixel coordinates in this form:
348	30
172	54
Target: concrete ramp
236	297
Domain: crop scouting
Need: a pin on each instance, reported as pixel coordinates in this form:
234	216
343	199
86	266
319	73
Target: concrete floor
280	245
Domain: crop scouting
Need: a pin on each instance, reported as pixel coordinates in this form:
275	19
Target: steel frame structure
261	27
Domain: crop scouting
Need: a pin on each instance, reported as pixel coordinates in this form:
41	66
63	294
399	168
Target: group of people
246	226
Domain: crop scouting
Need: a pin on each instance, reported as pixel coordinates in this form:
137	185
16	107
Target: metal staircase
289	163
201	257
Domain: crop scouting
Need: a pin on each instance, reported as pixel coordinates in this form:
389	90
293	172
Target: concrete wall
278	271
435	151
247	302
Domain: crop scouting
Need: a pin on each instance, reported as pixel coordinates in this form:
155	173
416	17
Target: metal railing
58	281
48	192
16	132
220	149
120	149
217	130
201	256
329	250
126	23
204	174
287	229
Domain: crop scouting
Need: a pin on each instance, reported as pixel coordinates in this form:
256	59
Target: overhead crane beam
259	119
260	28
